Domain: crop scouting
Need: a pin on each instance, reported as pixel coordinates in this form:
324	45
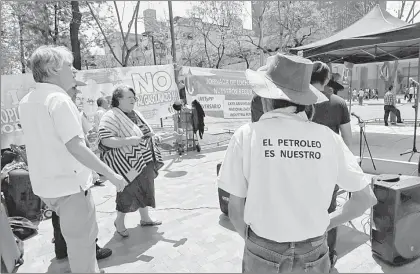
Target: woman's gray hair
47	60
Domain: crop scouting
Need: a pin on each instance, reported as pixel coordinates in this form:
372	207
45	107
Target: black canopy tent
359	43
399	43
376	37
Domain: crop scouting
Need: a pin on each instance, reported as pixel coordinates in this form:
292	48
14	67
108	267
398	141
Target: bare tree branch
120	25
133	48
135	13
414	17
411	11
401	11
103	33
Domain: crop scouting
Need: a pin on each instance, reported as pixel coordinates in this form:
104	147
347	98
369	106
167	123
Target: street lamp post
171	22
148	34
153	48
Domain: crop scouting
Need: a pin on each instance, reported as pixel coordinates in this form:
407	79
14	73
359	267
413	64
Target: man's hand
133	140
118	181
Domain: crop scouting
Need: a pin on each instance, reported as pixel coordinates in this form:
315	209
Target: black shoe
386	125
400	122
102	253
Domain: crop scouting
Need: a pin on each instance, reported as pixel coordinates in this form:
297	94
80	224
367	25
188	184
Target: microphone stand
362	135
416	111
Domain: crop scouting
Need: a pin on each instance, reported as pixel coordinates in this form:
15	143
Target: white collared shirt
287	167
50	119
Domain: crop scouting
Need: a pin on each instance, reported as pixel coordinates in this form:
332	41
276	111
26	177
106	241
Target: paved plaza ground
195	236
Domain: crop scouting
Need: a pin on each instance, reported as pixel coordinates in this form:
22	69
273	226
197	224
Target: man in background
354	95
390	102
361	95
335	115
103	106
411	92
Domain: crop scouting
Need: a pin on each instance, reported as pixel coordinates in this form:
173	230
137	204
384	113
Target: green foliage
213	31
45	23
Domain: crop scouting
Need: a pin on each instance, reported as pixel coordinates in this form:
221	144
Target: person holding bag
129	146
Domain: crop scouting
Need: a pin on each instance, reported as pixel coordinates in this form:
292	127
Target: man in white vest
281	172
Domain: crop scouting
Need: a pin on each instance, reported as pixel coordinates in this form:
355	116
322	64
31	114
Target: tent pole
417	108
350	68
408	76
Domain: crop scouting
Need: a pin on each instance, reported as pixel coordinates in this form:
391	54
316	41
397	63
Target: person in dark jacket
198	118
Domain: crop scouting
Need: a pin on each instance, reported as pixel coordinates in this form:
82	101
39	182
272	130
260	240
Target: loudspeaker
20	199
223	195
396	219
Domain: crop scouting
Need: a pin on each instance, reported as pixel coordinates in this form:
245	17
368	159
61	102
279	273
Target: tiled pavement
196	240
200	239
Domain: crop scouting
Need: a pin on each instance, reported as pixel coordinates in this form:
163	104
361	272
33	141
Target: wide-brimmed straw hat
286	77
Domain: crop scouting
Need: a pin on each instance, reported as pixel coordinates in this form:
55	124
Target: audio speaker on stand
223	195
395	227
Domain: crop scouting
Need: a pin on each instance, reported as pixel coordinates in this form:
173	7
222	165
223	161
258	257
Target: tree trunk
280	26
74	34
46	27
22	48
55	35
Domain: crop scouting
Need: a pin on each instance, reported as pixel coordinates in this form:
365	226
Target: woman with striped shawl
129	147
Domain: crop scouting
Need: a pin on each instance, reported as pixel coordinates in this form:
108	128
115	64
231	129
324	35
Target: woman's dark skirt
139	193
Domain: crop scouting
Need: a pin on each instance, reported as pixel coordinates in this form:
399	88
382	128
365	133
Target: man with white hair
59	162
280	175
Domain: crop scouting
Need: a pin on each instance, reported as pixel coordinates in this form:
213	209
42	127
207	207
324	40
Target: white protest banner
222	93
13	89
154	86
